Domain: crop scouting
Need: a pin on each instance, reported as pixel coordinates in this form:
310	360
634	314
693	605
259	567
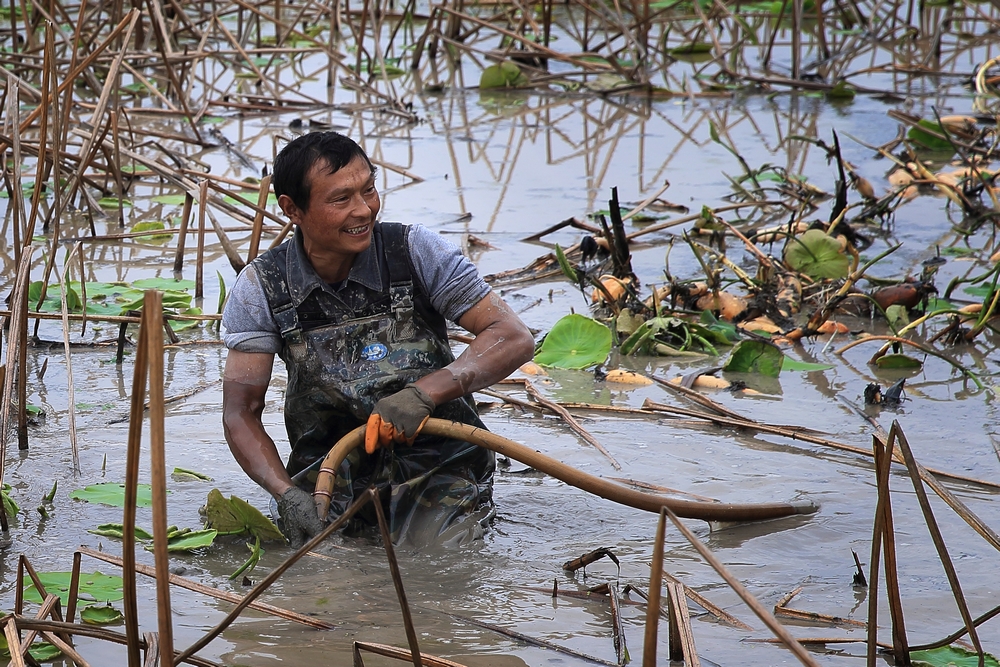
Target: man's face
342	208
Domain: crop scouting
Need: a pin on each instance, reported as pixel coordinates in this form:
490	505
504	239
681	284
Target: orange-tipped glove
398	418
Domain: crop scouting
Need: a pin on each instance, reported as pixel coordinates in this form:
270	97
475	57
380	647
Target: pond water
499	168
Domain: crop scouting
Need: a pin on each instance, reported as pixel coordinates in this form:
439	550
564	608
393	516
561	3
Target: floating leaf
165	284
110	493
841	91
575	341
172	200
984	290
118	530
817	255
691	48
40	651
898	361
112	202
95	615
935	304
755	356
502	75
184	473
950	656
789	364
189	540
95	587
151	226
926	139
238	517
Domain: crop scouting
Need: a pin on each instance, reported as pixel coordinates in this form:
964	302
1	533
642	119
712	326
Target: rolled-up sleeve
249	326
452	282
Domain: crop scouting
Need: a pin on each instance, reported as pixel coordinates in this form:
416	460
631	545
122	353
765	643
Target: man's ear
288	207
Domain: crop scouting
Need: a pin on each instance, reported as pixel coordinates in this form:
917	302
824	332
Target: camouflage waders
345	350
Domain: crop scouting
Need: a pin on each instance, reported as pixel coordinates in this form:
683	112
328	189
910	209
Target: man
356	309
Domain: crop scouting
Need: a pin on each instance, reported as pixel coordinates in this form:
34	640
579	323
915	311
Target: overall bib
345	349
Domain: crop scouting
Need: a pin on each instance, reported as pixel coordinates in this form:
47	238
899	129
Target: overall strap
396	254
274	282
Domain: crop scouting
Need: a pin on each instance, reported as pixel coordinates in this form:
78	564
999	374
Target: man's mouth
357	231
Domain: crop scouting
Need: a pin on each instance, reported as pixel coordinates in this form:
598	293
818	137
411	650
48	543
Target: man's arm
502	344
244	386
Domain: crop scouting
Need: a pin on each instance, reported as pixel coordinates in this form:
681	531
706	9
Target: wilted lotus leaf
237	517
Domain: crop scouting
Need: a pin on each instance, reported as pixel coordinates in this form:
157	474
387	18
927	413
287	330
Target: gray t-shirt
447	277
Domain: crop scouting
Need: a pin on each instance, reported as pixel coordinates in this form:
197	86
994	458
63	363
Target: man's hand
398	418
298	514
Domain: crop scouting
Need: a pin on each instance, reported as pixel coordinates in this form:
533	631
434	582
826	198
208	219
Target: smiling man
358	310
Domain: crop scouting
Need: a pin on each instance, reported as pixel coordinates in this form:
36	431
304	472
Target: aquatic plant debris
236	516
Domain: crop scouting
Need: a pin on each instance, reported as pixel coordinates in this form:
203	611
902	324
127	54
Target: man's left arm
502	343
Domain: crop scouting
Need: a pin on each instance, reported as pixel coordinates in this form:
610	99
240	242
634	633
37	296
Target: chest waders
344	350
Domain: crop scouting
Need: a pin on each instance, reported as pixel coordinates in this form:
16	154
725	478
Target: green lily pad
184	474
189	540
817	255
171	200
151	226
95	587
96	615
238	517
691	48
926	139
165	284
112	202
40	651
755	356
789	364
950	656
110	493
898	361
502	75
575	341
983	290
118	530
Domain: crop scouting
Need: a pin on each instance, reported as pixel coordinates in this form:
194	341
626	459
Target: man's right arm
244	387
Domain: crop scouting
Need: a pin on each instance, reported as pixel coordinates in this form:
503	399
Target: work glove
398	418
298	516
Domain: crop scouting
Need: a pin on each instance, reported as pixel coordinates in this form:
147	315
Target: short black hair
298	156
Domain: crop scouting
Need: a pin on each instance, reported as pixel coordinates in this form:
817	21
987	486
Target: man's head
297	158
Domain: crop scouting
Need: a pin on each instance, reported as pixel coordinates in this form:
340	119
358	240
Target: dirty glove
298	516
398	418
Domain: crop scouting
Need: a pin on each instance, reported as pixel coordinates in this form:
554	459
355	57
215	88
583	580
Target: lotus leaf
95	587
502	75
118	530
817	255
189	540
920	136
110	493
238	517
171	200
9	506
41	651
950	656
575	341
898	361
184	474
100	615
755	356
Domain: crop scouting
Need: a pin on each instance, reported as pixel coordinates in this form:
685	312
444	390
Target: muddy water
517	165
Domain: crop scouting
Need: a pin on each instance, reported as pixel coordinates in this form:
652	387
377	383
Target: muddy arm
244	386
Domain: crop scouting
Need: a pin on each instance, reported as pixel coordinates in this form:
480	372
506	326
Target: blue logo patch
374	351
